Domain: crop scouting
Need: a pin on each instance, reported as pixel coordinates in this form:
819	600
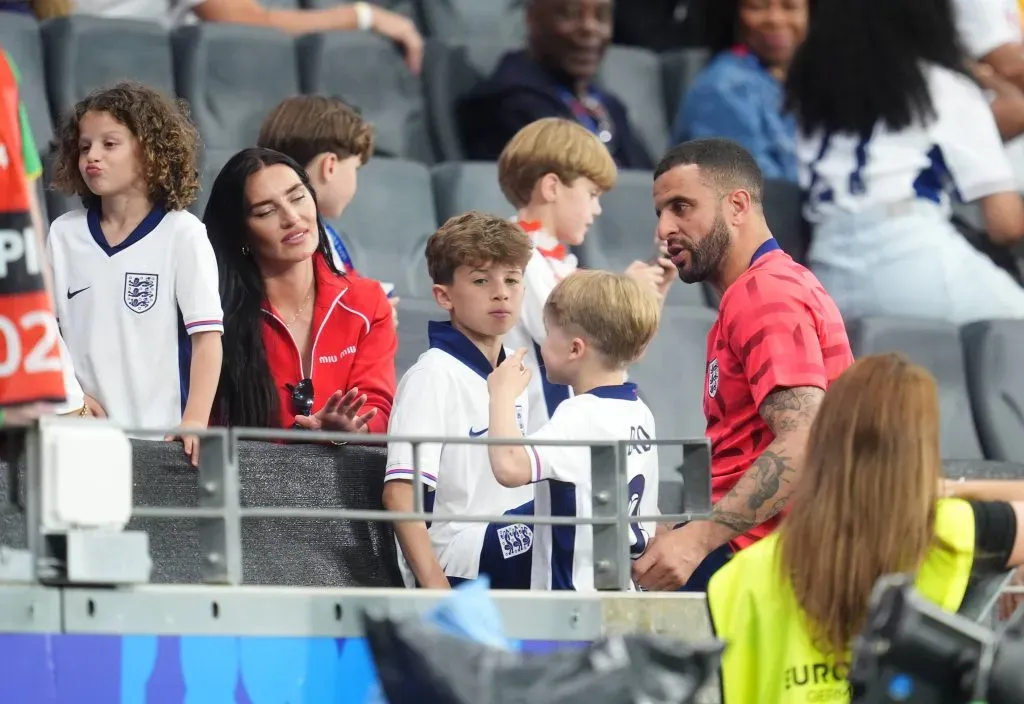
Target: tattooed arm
763	490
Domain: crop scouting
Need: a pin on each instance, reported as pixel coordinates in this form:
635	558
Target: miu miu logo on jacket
332	358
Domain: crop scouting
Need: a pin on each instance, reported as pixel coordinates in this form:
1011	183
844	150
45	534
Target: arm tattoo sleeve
763	490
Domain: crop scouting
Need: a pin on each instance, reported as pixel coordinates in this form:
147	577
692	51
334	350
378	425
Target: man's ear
740	206
441	296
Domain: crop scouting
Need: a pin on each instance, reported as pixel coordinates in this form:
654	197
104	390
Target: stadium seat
56	202
454	20
782	209
413	316
212	162
233	75
625	231
463	186
86	53
449	72
995	380
936	346
670	377
389	95
19	37
634	76
388	223
678	71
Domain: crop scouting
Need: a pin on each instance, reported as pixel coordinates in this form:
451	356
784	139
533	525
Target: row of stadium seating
233	74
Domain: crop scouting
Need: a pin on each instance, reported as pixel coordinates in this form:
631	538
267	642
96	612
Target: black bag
417	664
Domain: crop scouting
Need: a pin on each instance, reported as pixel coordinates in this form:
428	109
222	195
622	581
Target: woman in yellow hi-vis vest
868	503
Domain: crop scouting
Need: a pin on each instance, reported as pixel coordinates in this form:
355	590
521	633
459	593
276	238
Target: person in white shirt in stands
135	276
891	127
476	262
553	171
598	324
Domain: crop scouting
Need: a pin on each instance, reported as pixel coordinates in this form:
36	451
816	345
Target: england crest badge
713	377
140	291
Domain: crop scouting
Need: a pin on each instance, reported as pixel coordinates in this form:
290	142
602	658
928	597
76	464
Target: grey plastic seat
625	231
388	223
413	316
212	162
995	380
449	72
634	76
783	202
86	53
388	94
936	346
463	186
233	75
20	38
670	377
454	20
679	69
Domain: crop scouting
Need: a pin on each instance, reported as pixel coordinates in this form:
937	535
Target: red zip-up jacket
354	345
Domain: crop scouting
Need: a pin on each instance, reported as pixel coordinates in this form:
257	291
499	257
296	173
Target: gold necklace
301	308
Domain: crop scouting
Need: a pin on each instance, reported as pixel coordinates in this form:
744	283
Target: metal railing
220	512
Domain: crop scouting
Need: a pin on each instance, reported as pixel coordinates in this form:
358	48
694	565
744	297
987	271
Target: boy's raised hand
510	378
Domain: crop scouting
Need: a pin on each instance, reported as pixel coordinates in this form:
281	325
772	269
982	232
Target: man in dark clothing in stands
553	77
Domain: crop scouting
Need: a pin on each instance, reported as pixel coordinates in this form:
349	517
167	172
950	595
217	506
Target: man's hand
402	31
339	414
671	558
511	378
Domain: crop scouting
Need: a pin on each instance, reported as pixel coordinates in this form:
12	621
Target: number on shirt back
639	536
638	436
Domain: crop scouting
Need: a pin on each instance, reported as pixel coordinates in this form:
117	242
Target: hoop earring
245	250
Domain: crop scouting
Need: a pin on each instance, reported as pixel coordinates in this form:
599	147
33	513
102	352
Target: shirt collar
622	392
545	243
445	337
769	245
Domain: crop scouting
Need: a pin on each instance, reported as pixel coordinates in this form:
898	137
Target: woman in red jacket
304	345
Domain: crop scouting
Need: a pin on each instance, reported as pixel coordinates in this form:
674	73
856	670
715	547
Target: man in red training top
778	343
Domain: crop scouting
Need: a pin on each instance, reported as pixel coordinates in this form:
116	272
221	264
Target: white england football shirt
550	263
445	395
959	151
126	312
985	25
563	556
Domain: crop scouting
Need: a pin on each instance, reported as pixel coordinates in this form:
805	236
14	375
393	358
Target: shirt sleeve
538	283
772	332
558	462
72	389
196	281
985	25
373	369
420	410
995	532
966	135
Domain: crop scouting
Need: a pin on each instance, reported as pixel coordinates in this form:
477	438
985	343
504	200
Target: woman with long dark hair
869	502
891	127
304	345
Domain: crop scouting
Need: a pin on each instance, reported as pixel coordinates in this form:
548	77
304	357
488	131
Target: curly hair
168	143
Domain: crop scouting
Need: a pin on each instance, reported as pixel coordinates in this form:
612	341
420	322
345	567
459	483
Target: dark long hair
862	64
246	395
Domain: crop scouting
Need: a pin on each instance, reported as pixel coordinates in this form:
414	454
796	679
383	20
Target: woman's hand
95	409
340	414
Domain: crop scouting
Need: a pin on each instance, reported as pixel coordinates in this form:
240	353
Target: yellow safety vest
769	656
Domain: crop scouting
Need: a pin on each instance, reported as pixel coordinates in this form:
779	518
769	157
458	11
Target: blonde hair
475	239
865	502
552	146
612	312
306	126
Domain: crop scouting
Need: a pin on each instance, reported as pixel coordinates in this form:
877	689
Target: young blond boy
597	324
476	262
554	171
331	141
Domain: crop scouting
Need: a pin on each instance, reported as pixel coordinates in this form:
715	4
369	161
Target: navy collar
769	245
622	392
147	225
445	337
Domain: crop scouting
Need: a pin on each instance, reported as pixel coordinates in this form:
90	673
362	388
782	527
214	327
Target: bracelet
364	16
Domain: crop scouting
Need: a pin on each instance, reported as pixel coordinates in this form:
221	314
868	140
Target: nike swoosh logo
72	294
476	433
